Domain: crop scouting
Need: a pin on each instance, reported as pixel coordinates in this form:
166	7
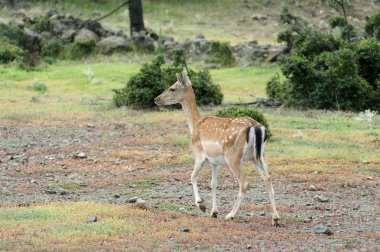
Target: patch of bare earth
114	161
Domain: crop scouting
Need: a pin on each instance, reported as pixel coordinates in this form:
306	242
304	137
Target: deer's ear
183	79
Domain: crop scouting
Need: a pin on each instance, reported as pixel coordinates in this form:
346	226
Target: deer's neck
189	106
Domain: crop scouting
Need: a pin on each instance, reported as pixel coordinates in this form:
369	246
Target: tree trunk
136	16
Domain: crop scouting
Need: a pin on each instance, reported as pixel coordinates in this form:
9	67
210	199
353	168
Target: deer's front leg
199	162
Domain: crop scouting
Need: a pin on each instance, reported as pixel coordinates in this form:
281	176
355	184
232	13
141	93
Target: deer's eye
171	89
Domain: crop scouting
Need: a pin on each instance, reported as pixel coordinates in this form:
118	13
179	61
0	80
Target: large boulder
143	41
113	43
85	35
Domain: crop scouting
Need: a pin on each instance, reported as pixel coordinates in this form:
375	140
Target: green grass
70	91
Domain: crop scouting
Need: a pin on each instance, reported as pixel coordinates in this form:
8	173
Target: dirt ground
113	161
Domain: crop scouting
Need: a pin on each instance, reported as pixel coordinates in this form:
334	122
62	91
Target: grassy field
331	150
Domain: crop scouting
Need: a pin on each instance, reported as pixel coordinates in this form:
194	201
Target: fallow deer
221	141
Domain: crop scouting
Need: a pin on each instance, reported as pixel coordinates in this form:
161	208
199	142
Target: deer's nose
156	100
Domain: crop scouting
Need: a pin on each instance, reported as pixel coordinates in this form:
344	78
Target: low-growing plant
38	87
80	49
367	116
250	112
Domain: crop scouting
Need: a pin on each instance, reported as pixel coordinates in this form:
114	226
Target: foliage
367	116
80	49
155	77
52	47
221	53
327	72
372	26
38	87
14	35
9	52
241	112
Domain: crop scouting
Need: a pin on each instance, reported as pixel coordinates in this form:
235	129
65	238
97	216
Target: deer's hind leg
214	182
236	168
262	169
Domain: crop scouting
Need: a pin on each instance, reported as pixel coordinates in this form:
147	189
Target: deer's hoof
202	207
276	222
214	215
229	217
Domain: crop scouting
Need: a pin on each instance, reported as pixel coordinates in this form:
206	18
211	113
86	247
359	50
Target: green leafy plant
327	72
221	53
9	52
38	86
156	76
240	112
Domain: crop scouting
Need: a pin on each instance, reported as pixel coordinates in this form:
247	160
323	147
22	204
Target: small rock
321	198
185	230
92	219
263	213
51	192
307	220
90	125
80	155
319	229
63	191
116	196
140	203
312	188
133	199
33	181
249	247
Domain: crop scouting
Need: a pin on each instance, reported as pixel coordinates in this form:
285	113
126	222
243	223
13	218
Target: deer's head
176	93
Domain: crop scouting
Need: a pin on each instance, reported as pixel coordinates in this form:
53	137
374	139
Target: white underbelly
218	160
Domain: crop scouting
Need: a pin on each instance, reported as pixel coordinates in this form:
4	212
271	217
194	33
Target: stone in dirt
319	229
80	155
185	230
92	219
133	199
320	198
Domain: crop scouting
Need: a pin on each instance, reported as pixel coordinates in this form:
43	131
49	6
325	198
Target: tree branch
112	12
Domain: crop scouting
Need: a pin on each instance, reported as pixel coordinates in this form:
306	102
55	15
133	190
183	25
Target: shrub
80	49
240	112
155	77
38	87
372	26
221	53
52	47
14	35
368	59
9	52
325	72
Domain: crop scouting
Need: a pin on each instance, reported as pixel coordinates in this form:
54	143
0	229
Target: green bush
14	35
221	53
240	112
368	59
52	48
372	26
9	52
38	87
325	72
80	49
155	77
